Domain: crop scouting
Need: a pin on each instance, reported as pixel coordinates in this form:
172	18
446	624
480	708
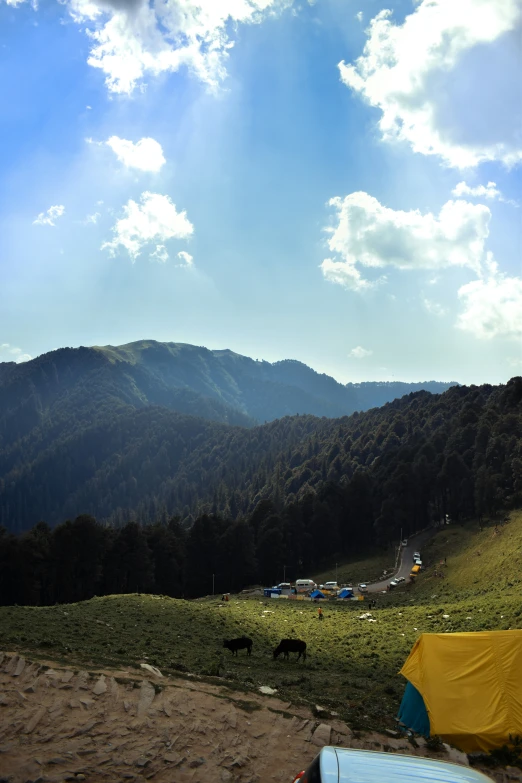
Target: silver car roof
344	765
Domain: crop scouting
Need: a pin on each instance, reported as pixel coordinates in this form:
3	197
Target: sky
333	181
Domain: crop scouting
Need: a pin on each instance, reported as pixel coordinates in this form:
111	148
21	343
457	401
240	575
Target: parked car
393	583
418	562
399	579
416	555
404	542
331	586
363	587
346	765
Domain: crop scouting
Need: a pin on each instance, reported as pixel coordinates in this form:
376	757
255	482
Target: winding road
415	544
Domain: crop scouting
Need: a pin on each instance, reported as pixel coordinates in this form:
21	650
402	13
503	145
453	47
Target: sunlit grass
352	665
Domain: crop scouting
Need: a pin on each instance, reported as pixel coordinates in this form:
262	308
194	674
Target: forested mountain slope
410	462
216	385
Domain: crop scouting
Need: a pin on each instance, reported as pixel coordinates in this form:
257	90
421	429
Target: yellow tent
471	684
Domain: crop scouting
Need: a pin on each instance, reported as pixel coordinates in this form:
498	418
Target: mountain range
72	418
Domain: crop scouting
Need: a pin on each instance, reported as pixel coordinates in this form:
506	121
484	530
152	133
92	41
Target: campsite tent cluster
346	592
315	595
465	687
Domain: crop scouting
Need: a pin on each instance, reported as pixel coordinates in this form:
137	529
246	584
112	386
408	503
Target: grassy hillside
368	569
352	664
481	560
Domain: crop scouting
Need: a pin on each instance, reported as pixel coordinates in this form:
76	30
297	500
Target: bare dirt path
59	724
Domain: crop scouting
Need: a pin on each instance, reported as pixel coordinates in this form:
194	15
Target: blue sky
339	186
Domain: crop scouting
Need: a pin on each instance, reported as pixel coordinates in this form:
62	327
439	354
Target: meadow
352	665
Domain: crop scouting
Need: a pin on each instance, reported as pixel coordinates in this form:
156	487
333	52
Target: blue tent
412	712
317	594
346	592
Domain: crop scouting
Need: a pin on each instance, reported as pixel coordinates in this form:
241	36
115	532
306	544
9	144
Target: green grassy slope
368	569
352	665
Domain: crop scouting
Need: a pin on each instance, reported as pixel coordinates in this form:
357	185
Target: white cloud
16	3
156	219
145	155
92	219
434	307
369	234
13	354
489	191
48	218
186	259
132	38
447	79
514	362
160	254
359	16
359	353
492	306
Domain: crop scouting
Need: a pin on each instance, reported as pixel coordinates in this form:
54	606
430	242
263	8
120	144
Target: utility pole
284	573
336	572
213	591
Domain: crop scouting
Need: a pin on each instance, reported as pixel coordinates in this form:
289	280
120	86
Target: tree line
182	503
82	558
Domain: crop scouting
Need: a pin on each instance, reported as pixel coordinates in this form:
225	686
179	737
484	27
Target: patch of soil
63	725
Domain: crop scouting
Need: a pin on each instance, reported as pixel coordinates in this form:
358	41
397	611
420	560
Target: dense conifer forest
178	498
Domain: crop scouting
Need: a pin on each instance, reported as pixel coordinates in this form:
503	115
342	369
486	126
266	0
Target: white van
304	585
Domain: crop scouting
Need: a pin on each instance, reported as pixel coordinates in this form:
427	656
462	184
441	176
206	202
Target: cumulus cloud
492	306
91	220
145	155
489	191
132	38
369	234
16	3
155	219
434	307
446	79
186	259
48	218
9	353
160	254
359	353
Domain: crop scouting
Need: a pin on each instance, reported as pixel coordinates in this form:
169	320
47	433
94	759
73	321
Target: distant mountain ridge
218	385
259	389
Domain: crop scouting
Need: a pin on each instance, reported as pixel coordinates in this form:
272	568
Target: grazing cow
238	644
286	646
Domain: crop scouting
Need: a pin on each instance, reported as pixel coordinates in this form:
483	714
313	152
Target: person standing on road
320	613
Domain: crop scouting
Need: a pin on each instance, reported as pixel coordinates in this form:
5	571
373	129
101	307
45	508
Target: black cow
286	646
238	644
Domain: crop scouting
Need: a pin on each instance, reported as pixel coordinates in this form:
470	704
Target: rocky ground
59	724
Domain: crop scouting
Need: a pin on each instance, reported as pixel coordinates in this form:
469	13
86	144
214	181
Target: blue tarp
317	594
412	711
346	592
